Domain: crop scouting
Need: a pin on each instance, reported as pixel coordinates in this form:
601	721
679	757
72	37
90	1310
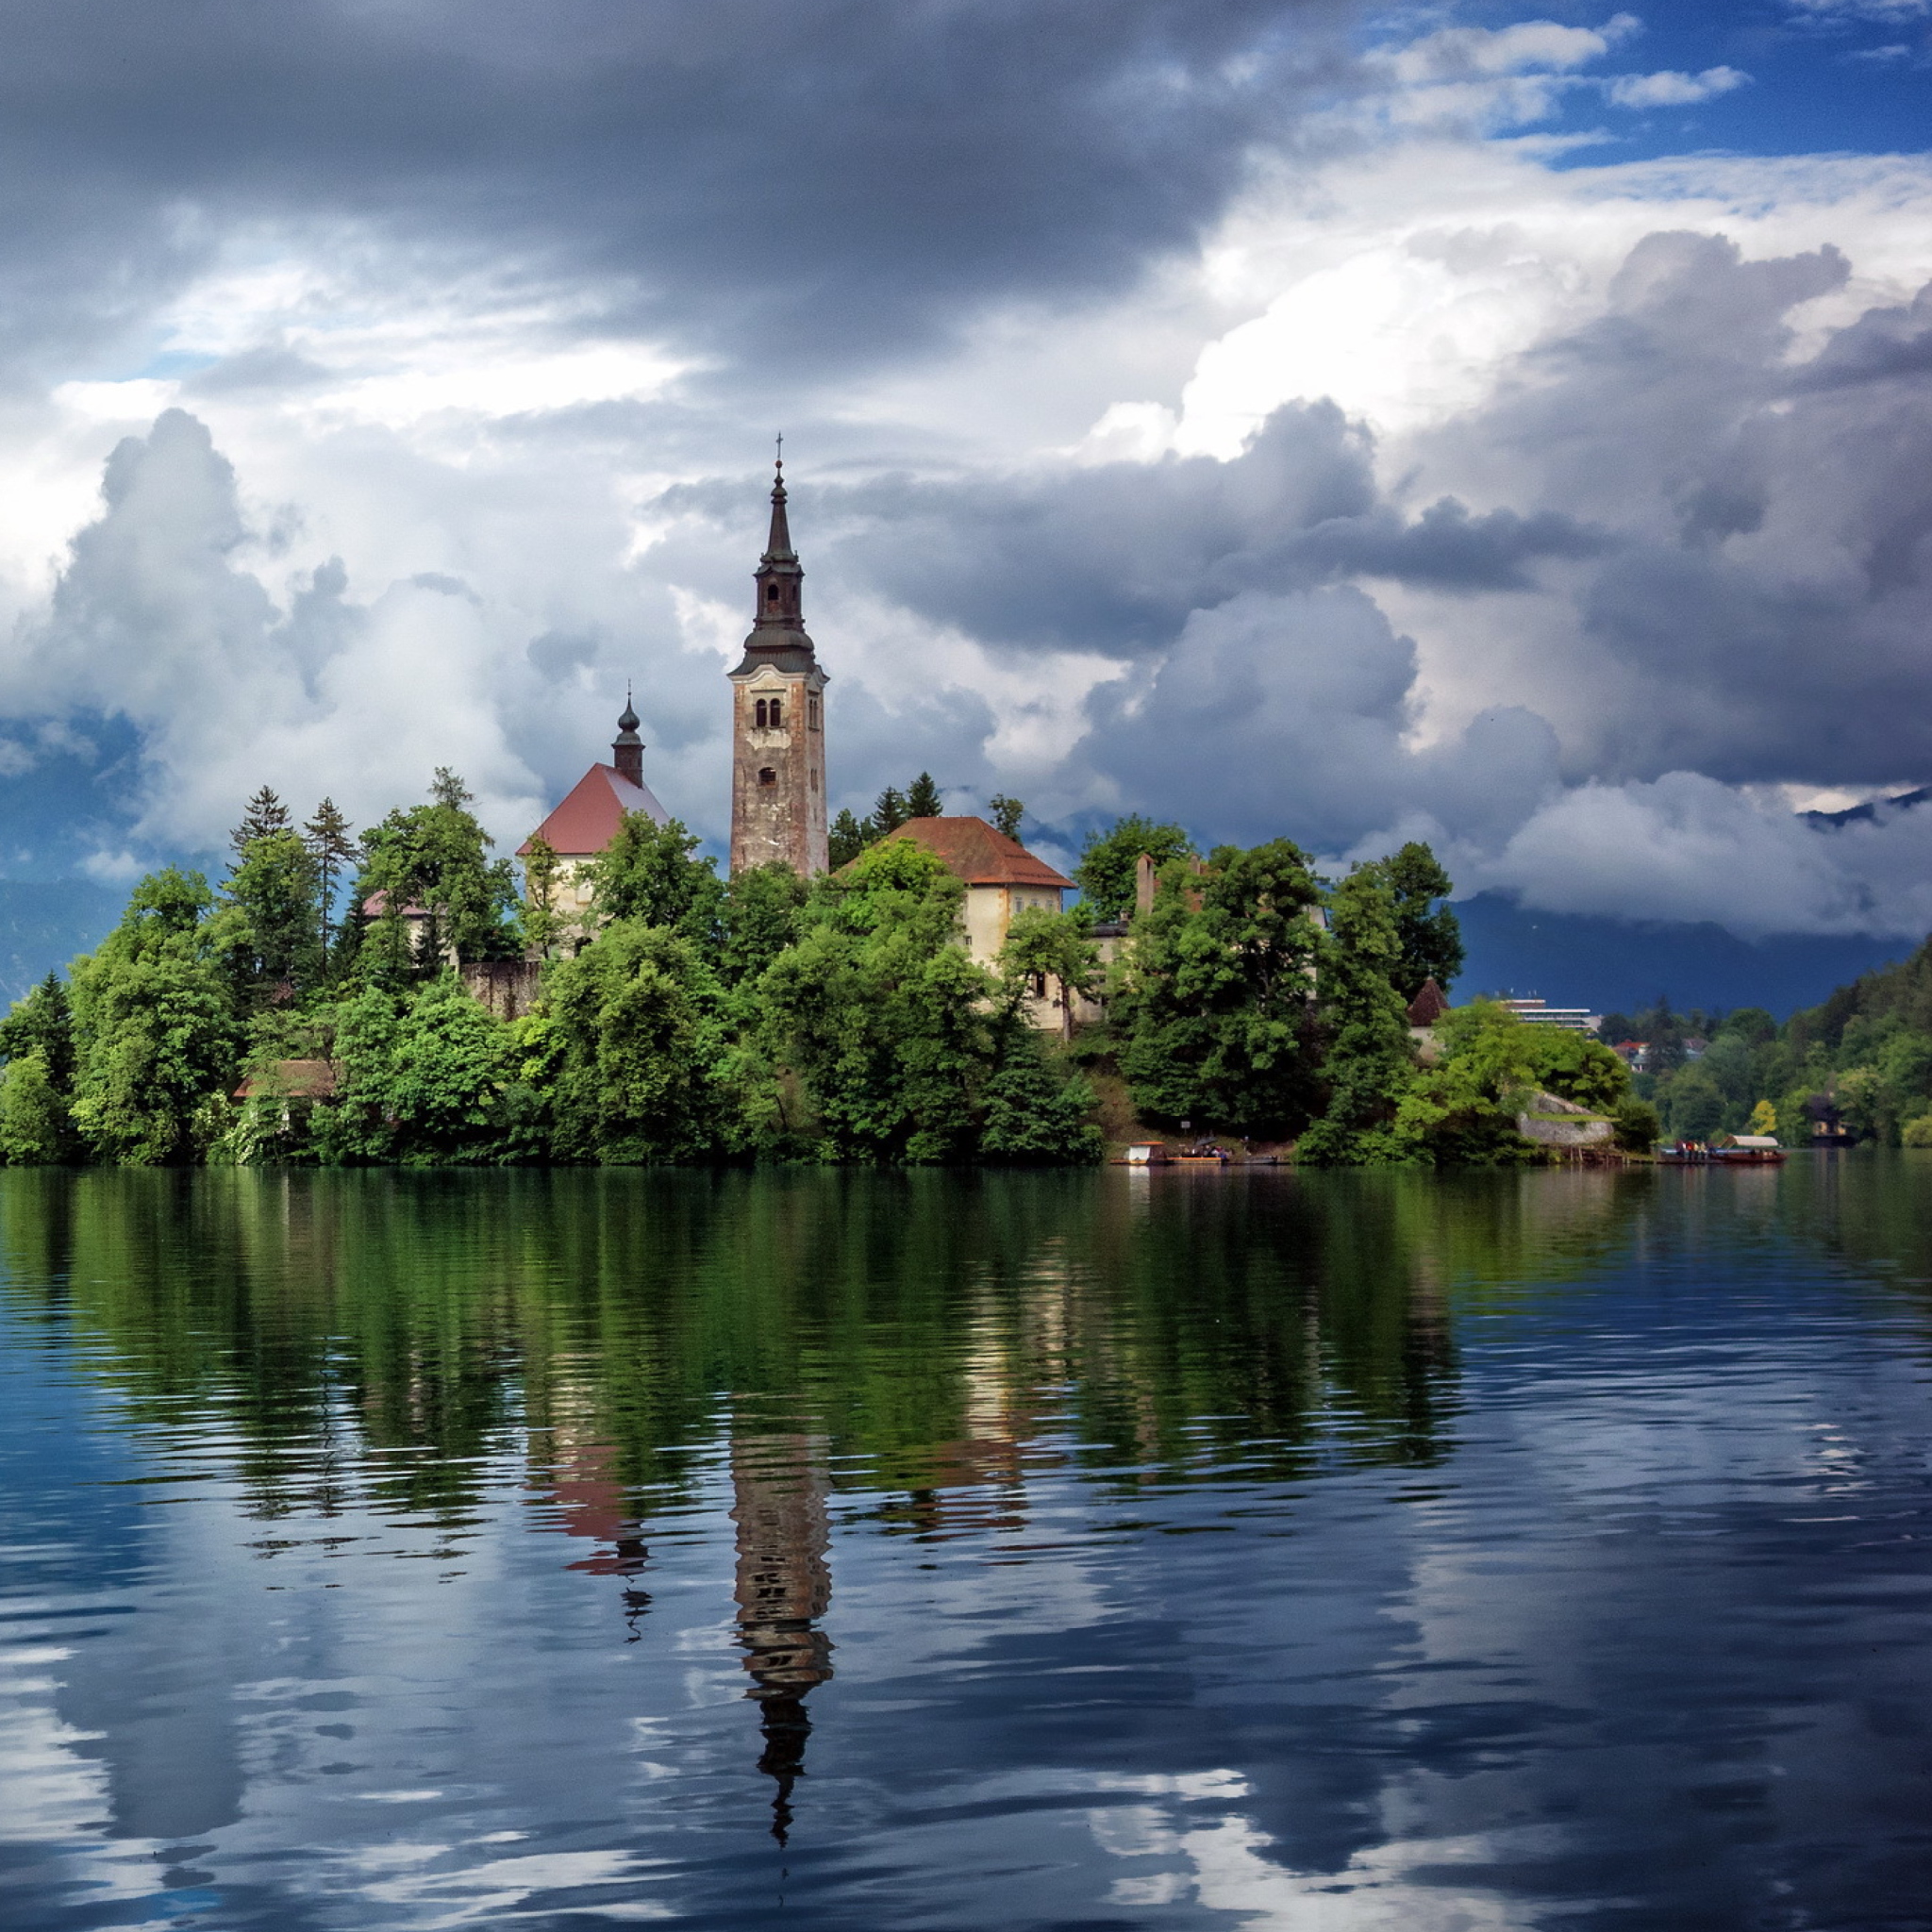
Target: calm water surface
1265	1551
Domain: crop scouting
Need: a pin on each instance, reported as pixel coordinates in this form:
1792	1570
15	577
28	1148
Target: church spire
781	578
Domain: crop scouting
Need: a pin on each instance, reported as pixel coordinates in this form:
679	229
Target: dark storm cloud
1117	556
815	175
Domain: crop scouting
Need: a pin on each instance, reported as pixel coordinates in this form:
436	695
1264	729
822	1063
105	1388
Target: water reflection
1107	1468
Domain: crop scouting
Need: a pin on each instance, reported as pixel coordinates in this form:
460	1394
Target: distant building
1427	1006
587	820
1634	1054
1001	876
778	719
1540	1013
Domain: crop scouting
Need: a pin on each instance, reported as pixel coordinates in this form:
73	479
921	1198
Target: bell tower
779	719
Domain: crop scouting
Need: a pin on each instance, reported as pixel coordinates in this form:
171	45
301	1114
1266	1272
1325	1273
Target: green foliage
1049	954
879	1013
155	1032
1108	859
1693	1106
1638	1124
1428	934
922	800
36	1128
888	812
542	923
1033	1113
1917	1133
649	875
846	840
757	919
633	1046
269	930
42	1022
1462	1110
264	816
1009	815
1371	1058
435	856
425	1077
331	851
1213	1002
1752	1025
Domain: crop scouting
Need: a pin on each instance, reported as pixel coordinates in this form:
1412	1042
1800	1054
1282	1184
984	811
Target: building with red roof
1001	876
584	824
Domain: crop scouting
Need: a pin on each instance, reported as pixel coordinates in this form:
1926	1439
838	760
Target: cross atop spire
778	549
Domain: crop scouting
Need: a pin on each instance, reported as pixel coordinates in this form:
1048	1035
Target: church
779	781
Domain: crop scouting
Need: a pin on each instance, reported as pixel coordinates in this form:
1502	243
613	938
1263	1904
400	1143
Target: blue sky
1507	426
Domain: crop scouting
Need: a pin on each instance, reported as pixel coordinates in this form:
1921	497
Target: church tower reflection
783	1587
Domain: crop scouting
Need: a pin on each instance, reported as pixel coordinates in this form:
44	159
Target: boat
1738	1150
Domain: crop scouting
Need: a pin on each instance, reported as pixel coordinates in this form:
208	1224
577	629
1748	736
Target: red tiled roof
979	854
377	904
588	819
1428	1005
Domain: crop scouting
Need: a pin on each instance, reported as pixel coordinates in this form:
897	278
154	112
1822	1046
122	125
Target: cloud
1673	90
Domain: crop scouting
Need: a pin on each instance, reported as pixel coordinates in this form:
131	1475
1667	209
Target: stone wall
507	987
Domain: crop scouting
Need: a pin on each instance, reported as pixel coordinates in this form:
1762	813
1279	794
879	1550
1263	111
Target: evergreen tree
1429	933
888	814
1109	861
264	816
331	851
42	1022
268	931
1364	1016
922	800
1009	815
846	840
1213	1004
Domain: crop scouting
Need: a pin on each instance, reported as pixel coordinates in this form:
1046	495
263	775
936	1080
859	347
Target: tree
1370	1059
331	851
1214	1001
1764	1117
889	813
264	815
540	922
922	800
846	840
636	1043
1009	815
268	931
758	919
42	1022
36	1128
880	1014
156	1040
1110	860
1429	934
435	856
649	873
1032	1114
1043	947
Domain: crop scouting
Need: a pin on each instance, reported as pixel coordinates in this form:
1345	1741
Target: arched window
767	777
776	719
760	714
770	593
812	712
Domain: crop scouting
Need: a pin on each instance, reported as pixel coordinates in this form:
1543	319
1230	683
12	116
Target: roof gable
980	853
587	820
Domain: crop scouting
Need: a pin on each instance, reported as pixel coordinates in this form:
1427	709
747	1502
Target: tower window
776	718
759	712
770	593
812	712
766	775
814	781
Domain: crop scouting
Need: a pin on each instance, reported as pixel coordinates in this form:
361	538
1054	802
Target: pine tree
1009	815
327	836
922	800
888	814
848	838
266	814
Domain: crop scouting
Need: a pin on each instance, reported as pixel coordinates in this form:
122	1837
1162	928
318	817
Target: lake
1262	1550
